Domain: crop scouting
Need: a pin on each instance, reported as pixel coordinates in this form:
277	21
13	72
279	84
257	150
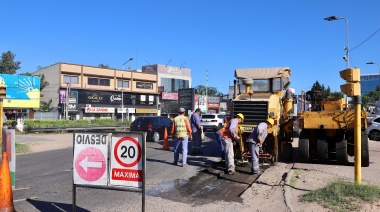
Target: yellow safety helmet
270	121
241	116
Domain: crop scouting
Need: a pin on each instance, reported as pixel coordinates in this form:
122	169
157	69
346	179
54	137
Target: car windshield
206	116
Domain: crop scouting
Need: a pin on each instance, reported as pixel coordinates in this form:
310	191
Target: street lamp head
332	18
130	59
370	63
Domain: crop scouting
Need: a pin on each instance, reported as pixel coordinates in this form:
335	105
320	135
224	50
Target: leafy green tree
336	94
7	63
45	106
211	91
326	92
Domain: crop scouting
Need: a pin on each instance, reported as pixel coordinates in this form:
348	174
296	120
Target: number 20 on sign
126	163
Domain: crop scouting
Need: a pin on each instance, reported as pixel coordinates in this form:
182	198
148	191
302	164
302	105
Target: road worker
195	123
230	136
255	140
181	131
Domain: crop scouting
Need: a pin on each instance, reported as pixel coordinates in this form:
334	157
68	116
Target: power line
373	34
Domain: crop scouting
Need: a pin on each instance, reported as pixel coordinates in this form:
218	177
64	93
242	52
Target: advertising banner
22	91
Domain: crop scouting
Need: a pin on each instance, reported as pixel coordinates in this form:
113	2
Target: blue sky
214	35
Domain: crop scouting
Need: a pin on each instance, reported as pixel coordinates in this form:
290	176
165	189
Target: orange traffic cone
165	146
6	196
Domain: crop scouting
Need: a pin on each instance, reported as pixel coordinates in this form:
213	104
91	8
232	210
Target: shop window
70	79
97	81
123	83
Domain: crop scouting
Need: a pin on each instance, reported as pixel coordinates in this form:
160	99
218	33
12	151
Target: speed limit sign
126	163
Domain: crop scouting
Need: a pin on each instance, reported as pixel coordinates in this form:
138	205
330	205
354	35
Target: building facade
368	82
169	80
87	92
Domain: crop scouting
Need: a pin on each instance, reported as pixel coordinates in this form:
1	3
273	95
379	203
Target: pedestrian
181	132
195	123
219	138
230	135
255	140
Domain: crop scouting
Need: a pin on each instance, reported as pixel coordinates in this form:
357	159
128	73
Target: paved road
44	179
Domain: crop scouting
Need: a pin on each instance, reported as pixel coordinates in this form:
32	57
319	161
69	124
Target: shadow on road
53	206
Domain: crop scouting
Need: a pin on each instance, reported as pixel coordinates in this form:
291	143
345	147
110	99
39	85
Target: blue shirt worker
255	140
195	123
181	131
231	133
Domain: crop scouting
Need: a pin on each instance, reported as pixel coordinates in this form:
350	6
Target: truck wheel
288	152
341	148
341	152
364	148
322	151
303	150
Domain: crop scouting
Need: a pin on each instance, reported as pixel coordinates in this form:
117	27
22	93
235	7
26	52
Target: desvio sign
92	159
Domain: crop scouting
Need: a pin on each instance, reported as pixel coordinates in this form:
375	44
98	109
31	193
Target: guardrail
57	129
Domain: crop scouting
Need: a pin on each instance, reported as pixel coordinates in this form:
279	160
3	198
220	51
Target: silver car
213	121
373	128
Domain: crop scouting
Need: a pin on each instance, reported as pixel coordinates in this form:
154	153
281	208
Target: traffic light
352	77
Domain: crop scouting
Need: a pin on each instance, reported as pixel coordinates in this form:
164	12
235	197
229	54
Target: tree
326	93
7	63
45	106
103	66
211	91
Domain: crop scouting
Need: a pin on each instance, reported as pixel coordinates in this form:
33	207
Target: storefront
87	104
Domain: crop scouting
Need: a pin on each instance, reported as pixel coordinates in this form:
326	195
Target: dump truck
258	94
323	127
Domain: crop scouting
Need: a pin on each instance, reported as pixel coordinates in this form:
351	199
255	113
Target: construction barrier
6	195
165	145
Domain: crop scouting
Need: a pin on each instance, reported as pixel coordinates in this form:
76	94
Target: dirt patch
46	142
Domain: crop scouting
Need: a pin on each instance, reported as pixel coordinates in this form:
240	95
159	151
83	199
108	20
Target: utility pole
206	91
67	100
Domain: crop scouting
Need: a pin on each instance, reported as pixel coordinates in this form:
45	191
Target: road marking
19	200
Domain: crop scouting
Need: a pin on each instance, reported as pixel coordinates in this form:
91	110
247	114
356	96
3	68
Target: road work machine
324	128
327	131
259	93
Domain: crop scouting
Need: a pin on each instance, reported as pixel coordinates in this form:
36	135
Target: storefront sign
186	98
213	99
169	96
99	110
72	107
144	85
146	110
126	110
210	105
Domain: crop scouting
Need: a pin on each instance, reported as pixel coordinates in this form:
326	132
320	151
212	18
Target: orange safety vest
226	132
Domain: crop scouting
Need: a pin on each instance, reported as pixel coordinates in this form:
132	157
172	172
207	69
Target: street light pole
334	18
378	66
122	91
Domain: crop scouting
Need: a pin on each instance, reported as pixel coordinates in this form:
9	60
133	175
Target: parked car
153	125
373	128
213	121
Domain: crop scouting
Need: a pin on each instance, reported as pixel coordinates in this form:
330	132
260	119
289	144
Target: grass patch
20	148
343	196
294	177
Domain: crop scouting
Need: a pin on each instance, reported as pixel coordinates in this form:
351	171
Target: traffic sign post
126	161
114	161
90	158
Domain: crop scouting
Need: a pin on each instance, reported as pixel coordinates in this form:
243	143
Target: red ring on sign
117	156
